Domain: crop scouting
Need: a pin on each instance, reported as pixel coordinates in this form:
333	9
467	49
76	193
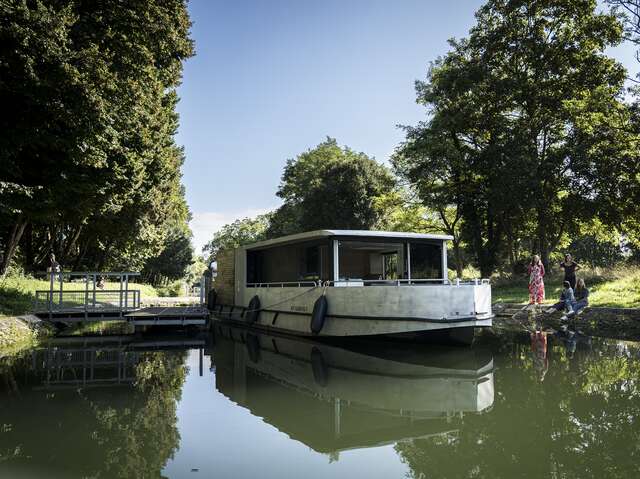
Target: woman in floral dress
536	281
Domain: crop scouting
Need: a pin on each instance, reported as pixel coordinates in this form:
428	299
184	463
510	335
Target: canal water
235	404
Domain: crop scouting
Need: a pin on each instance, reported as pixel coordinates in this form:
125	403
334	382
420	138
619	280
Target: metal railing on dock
100	300
91	303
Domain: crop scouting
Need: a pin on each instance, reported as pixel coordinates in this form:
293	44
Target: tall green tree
238	233
527	126
88	124
174	260
330	186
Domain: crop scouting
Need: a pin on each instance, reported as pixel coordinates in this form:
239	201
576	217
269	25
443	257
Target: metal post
126	291
61	282
51	294
409	262
202	291
201	361
120	298
94	291
86	296
445	269
336	263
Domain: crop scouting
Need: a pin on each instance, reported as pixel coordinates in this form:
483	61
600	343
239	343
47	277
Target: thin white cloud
205	223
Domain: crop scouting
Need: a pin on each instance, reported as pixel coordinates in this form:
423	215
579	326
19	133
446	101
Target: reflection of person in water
539	350
570	339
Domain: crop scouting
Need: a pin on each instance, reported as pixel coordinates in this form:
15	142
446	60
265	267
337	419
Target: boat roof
319	234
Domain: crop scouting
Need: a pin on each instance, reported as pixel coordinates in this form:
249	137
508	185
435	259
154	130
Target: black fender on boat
319	314
253	310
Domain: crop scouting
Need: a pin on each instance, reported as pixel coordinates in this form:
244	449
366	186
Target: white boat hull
368	310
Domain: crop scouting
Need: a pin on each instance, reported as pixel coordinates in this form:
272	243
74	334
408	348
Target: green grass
619	287
17	292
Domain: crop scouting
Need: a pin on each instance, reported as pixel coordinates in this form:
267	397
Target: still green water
235	404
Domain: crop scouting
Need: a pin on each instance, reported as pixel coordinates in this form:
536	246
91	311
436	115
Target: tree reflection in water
568	409
582	421
117	420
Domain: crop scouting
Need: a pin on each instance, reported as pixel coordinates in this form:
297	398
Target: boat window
366	260
309	261
426	261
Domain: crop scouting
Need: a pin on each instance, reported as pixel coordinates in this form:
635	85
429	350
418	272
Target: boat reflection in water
355	395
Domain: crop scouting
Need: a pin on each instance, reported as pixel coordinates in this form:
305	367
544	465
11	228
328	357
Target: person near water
581	297
567	299
536	281
54	268
570	267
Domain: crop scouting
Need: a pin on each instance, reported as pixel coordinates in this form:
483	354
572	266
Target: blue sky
271	79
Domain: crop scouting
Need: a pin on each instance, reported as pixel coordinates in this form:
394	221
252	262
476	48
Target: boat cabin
347	258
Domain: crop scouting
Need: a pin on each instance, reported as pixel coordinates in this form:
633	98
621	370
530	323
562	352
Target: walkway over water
96	304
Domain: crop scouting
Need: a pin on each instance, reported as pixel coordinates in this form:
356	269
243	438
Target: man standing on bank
570	267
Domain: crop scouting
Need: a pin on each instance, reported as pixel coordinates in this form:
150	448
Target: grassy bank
17	334
17	292
616	288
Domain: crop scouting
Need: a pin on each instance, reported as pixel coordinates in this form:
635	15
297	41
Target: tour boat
343	283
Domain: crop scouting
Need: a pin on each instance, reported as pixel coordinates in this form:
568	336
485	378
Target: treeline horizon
529	146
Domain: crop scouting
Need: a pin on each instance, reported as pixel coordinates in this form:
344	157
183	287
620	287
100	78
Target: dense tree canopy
528	134
175	259
238	233
89	168
330	187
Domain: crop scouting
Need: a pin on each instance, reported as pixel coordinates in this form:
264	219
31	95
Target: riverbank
609	288
18	328
21	332
17	293
604	322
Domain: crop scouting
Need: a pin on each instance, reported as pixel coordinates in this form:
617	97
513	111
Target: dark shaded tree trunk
81	254
457	254
71	243
29	255
543	240
482	224
12	244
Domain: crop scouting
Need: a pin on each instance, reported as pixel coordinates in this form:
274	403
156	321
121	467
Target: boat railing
370	282
283	284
